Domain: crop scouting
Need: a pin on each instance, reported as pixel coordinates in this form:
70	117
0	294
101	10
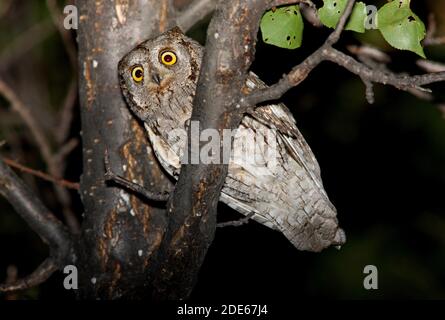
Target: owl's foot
236	223
110	176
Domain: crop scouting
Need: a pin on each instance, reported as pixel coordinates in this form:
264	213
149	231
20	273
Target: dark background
383	166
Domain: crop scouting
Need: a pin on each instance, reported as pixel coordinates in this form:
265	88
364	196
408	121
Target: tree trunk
117	249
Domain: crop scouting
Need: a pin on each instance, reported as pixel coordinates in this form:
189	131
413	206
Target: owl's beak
156	78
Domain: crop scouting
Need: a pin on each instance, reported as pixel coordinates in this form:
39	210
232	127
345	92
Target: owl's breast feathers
283	188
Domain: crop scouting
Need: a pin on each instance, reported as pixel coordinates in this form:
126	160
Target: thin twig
431	66
62	131
277	3
378	60
334	36
310	13
65	150
434	41
369	91
54	163
36	215
42	175
432	27
370	52
25	42
40	275
11	277
431	39
199	9
65	34
25	113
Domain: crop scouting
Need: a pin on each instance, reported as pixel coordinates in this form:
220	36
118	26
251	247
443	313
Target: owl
273	176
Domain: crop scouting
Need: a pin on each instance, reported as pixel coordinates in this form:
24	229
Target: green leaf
332	10
357	19
401	27
283	27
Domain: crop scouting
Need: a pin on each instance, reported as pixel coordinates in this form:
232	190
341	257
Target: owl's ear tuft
175	30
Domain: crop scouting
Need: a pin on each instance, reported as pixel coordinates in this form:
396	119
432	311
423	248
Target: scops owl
284	191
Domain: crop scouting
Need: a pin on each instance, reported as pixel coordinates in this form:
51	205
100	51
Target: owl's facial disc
156	69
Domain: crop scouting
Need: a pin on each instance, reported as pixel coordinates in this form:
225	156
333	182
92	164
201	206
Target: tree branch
292	79
334	36
38	217
30	121
32	210
310	13
42	175
40	275
195	12
300	72
431	39
377	60
326	52
53	162
277	3
400	82
431	66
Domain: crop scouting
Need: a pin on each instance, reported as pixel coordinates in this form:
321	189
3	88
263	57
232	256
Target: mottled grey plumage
285	192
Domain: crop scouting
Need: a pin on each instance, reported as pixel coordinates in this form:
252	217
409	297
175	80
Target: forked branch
327	53
41	220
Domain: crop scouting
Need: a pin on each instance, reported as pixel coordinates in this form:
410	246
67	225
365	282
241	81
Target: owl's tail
317	234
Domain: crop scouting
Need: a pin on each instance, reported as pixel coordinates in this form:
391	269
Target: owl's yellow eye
168	58
137	73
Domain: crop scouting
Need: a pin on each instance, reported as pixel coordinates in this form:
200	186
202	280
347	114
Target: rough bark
120	233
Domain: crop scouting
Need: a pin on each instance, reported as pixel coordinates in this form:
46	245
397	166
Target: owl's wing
278	116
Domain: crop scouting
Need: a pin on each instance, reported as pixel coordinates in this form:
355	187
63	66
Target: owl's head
158	69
